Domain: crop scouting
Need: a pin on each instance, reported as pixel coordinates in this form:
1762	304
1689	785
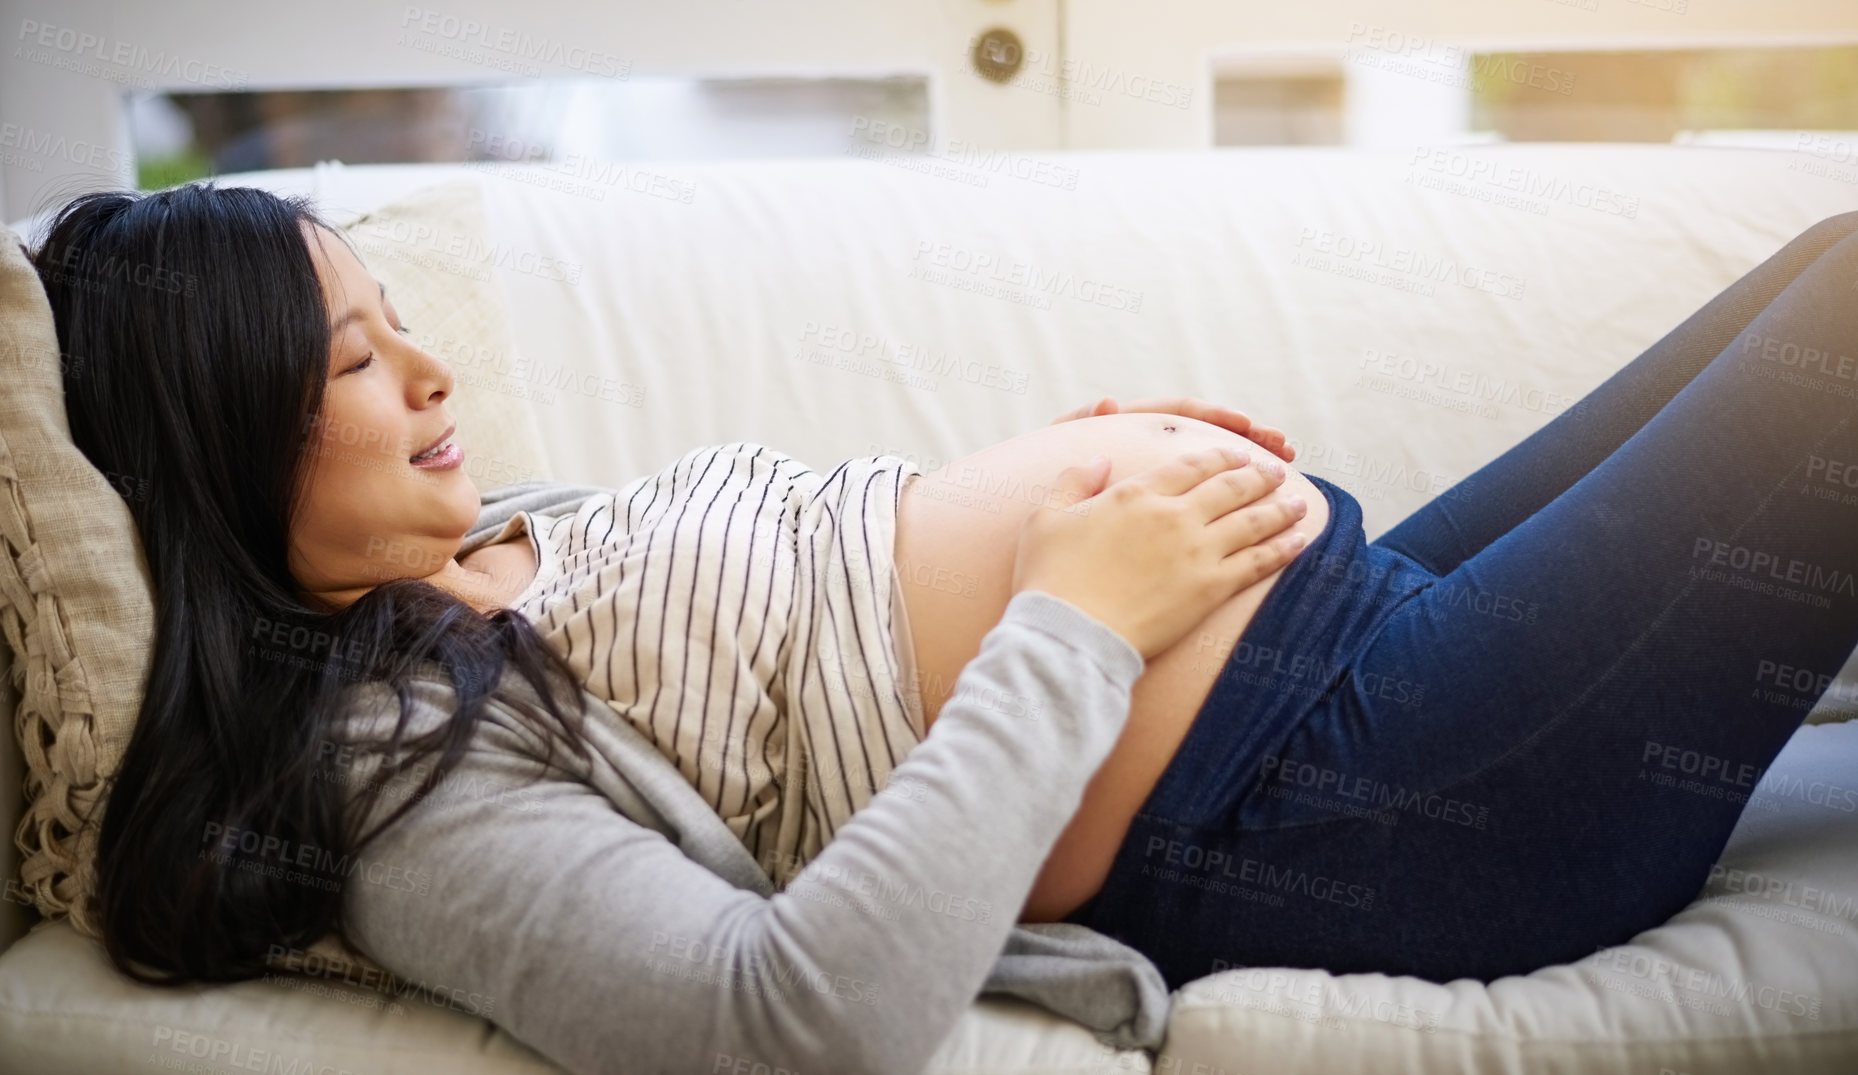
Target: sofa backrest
1404	315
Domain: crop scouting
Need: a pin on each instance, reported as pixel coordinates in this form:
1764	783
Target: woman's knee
1831	230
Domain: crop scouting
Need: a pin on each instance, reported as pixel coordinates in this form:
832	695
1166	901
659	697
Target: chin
464	499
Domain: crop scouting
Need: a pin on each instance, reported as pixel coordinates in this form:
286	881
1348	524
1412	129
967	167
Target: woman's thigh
1602	686
1607	681
1667	587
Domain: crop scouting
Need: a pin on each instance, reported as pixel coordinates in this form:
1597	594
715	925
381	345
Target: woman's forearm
605	947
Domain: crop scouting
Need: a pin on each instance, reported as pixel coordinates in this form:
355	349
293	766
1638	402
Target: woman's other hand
1151	555
1270	438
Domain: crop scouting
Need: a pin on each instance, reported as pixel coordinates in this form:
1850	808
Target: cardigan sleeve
595	940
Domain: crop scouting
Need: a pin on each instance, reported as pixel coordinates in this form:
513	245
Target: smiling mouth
437	447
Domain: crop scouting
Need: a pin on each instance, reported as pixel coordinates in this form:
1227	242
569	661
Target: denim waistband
1322	610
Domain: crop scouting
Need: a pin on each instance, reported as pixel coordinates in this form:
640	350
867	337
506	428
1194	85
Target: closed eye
369	361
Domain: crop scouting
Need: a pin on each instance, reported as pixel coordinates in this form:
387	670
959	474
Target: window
182	136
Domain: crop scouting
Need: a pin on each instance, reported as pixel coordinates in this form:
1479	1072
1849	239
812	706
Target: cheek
352	433
353	477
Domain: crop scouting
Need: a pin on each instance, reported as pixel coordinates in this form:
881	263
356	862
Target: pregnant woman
1426	755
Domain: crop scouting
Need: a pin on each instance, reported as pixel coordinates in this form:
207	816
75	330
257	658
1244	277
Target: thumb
1084	480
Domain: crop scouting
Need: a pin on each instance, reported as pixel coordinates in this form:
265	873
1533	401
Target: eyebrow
342	322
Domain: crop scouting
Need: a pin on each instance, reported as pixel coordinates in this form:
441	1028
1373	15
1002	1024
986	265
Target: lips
435	445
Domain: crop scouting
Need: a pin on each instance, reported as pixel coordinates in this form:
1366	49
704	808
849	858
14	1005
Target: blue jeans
1520	725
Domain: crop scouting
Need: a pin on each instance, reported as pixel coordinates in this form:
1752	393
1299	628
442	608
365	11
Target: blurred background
106	92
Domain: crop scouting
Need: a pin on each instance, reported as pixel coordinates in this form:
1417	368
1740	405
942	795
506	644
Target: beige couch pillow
75	598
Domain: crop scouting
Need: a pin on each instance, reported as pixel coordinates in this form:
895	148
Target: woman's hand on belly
1153	553
957	538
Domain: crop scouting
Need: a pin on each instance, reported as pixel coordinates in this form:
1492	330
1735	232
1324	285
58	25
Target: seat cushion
64	1009
1759	974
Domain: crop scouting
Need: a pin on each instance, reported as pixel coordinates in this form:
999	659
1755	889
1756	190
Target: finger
1276	440
1255	563
1236	488
1189	469
1081	481
1253	524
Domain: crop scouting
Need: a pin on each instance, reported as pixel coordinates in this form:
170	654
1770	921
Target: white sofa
928	308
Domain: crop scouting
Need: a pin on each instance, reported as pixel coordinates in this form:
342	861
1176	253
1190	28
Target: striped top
743	612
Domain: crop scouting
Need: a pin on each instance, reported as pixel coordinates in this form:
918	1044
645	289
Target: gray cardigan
604	915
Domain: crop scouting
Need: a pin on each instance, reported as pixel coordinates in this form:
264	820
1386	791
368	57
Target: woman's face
367	514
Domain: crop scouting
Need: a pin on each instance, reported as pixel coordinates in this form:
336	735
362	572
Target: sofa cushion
64	1009
74	600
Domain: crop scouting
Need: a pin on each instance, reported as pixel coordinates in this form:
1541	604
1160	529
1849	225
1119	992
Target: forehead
341	272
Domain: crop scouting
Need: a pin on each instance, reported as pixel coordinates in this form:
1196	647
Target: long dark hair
204	340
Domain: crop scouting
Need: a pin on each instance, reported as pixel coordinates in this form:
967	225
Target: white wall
67	128
1118	45
1139	73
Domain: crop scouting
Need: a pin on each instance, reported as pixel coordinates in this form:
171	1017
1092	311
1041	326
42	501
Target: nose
431	381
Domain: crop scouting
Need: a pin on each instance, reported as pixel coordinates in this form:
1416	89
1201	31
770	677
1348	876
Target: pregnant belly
957	535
